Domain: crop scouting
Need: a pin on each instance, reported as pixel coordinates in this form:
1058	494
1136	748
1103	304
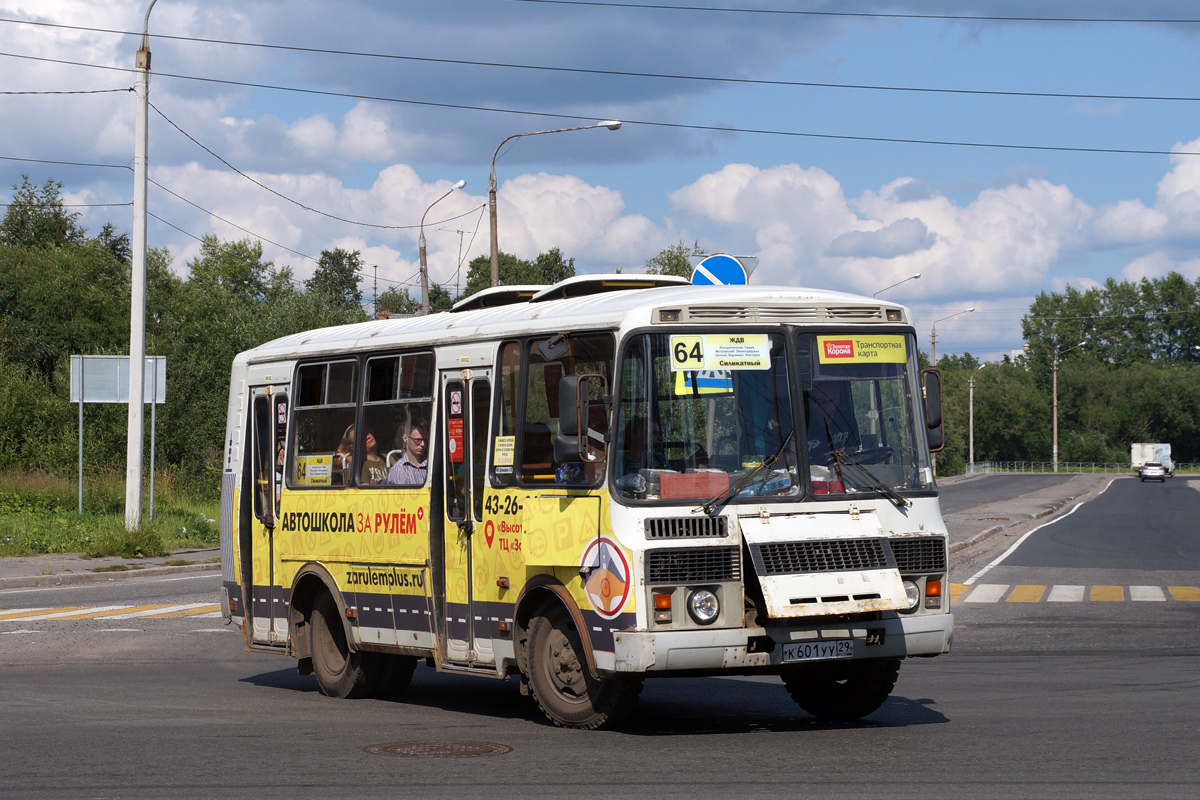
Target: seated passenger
830	427
413	466
374	469
343	457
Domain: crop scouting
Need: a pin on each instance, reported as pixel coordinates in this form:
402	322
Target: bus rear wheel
840	691
340	672
560	680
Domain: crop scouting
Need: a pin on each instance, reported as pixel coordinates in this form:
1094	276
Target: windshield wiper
864	475
736	486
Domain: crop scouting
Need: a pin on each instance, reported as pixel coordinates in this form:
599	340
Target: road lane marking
188	578
1185	593
162	612
200	608
94	614
971	580
1152	594
1026	593
1065	593
29	613
987	593
957	590
65	613
1108	593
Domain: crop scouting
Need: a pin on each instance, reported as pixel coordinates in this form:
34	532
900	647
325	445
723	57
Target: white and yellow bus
588	484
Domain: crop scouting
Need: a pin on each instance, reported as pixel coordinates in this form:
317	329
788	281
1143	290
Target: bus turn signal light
933	593
662	607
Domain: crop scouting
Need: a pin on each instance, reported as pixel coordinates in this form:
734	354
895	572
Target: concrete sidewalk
966	527
65	569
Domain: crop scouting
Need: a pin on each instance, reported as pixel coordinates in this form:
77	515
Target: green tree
673	260
397	301
547	269
336	277
36	217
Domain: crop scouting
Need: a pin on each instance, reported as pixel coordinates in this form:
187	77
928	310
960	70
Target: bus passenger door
268	427
465	402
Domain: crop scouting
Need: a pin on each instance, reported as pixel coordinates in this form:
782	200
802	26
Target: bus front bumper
734	649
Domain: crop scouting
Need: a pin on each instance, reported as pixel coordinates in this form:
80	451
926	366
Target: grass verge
39	514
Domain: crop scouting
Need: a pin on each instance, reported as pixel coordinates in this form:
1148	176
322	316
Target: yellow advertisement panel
854	349
314	470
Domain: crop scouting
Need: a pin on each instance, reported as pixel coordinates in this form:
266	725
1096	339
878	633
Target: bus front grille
693	565
832	555
686	527
920	554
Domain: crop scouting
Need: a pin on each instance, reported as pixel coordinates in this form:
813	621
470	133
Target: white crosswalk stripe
987	593
1065	594
1147	593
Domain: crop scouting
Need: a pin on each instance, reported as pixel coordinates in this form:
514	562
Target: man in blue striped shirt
413	466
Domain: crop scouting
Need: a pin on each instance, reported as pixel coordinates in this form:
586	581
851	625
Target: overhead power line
282	196
74	91
859	14
646	75
627	121
65	163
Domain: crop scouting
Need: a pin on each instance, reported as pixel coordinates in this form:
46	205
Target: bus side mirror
931	391
576	438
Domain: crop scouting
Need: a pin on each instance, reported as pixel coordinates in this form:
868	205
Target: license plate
818	651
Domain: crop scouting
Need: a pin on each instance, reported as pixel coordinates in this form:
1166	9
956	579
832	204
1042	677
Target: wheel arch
311	580
536	591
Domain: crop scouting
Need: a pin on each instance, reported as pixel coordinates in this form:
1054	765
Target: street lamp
912	277
1055	403
421	249
611	124
933	334
971	417
137	299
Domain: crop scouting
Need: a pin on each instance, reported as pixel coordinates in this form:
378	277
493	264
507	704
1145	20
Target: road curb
70	578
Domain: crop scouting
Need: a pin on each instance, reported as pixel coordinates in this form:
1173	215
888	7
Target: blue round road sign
719	269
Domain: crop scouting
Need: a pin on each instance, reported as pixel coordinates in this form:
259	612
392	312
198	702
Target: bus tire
560	681
835	691
395	674
340	672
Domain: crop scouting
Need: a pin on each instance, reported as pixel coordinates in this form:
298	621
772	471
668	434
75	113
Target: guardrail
1120	468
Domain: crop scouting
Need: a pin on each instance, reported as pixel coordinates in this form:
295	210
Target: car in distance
1153	470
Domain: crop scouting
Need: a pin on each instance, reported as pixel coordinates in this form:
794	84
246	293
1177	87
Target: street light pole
137	294
1054	382
421	249
933	334
897	283
611	124
971	418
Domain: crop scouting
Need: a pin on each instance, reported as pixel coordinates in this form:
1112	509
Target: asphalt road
991	489
1068	698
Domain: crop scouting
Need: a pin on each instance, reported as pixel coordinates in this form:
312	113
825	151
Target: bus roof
631	307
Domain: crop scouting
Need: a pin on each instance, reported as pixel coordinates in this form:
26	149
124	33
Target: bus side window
322	432
264	457
505	436
591	353
396	408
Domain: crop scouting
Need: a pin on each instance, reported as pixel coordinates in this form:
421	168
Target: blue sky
986	227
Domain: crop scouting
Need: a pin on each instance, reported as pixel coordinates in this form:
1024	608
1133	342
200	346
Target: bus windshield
860	404
705	414
701	414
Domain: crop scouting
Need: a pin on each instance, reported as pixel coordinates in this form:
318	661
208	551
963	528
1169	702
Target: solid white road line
971	580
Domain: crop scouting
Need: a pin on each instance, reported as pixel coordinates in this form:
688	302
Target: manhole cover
438	749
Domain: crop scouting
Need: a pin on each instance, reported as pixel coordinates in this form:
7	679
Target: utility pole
375	302
137	306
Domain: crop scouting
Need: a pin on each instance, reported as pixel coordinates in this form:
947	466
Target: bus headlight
703	606
913	592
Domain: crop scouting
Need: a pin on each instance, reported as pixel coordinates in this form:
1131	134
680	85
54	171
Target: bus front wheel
840	691
560	680
340	672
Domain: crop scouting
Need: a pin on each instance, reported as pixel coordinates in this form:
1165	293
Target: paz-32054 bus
588	484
